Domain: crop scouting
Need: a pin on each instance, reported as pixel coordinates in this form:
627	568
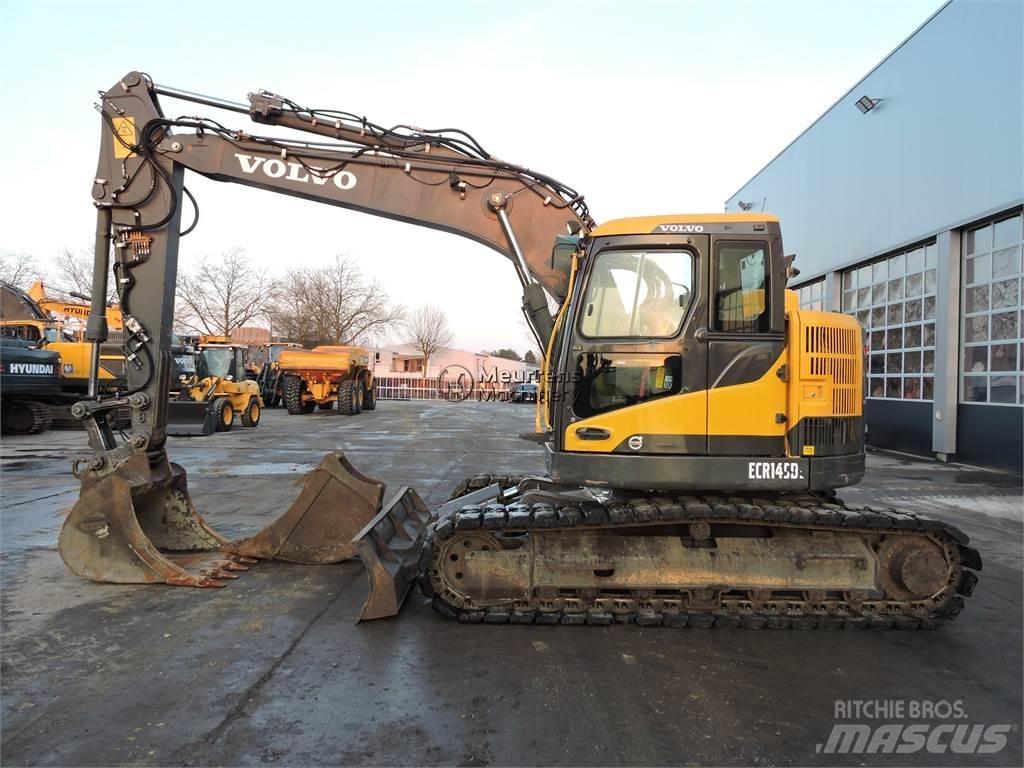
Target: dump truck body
325	375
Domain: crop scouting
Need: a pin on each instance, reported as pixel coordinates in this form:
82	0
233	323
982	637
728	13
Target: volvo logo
636	442
680	228
279	169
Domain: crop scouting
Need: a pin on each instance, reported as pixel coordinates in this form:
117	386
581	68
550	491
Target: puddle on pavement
267	468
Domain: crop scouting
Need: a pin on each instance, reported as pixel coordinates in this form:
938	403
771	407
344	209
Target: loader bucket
189	417
389	547
135	524
337	501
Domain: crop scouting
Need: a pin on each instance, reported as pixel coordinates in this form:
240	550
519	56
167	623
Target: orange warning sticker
125	129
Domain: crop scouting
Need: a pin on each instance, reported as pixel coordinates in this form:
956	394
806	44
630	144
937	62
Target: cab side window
741	288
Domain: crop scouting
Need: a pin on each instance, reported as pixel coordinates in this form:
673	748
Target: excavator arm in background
134	521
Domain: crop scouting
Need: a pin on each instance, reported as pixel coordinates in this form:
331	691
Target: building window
894	299
991	318
812	295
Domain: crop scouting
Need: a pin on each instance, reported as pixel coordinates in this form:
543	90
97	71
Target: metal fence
400	388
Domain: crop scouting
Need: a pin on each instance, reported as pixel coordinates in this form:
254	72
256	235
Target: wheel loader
218	392
696	422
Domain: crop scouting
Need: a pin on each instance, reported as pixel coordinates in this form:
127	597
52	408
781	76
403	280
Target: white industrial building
903	204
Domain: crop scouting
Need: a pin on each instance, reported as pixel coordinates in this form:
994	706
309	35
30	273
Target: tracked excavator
696	422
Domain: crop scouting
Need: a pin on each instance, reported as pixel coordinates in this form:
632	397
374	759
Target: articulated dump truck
324	376
696	422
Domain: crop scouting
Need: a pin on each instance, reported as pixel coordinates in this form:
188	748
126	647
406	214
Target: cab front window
638	294
216	362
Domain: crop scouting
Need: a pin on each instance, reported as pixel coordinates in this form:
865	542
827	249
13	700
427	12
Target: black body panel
705	473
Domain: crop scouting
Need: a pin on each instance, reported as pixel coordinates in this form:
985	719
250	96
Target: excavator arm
134	510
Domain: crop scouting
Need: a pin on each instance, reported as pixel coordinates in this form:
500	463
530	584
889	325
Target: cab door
745	339
634	375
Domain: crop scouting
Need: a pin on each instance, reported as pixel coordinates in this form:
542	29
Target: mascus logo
279	169
677	228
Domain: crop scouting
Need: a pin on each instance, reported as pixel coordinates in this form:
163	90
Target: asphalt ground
271	670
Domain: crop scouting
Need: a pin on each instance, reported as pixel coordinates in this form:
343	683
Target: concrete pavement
271	670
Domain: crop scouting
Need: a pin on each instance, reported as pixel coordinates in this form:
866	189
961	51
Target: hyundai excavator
696	422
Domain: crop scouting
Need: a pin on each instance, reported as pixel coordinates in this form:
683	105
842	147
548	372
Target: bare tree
222	293
74	274
428	331
19	268
336	304
291	314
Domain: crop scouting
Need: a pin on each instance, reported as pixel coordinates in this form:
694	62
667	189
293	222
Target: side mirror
791	271
565	248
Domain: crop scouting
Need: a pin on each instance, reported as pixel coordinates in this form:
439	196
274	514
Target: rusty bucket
336	502
134	523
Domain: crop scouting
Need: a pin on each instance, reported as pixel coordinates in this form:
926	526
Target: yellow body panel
827	365
645	225
239	392
684	414
75	359
324	358
749	409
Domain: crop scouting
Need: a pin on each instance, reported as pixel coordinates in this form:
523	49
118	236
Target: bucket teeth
220	573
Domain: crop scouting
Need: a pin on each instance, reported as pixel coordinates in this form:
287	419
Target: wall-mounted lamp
865	104
745	206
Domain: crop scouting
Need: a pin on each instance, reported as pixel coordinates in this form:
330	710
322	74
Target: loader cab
667	314
223	361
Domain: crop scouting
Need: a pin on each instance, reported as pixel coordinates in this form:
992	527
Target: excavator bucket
336	503
389	547
189	418
134	523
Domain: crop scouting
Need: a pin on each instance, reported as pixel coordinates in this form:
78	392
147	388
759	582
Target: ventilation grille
830	436
833	353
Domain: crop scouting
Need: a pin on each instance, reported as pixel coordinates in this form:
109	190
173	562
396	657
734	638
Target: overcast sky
645	107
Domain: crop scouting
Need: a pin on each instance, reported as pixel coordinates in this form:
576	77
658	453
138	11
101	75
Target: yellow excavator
696	421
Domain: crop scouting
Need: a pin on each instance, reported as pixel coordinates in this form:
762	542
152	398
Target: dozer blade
389	547
135	524
337	501
189	418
